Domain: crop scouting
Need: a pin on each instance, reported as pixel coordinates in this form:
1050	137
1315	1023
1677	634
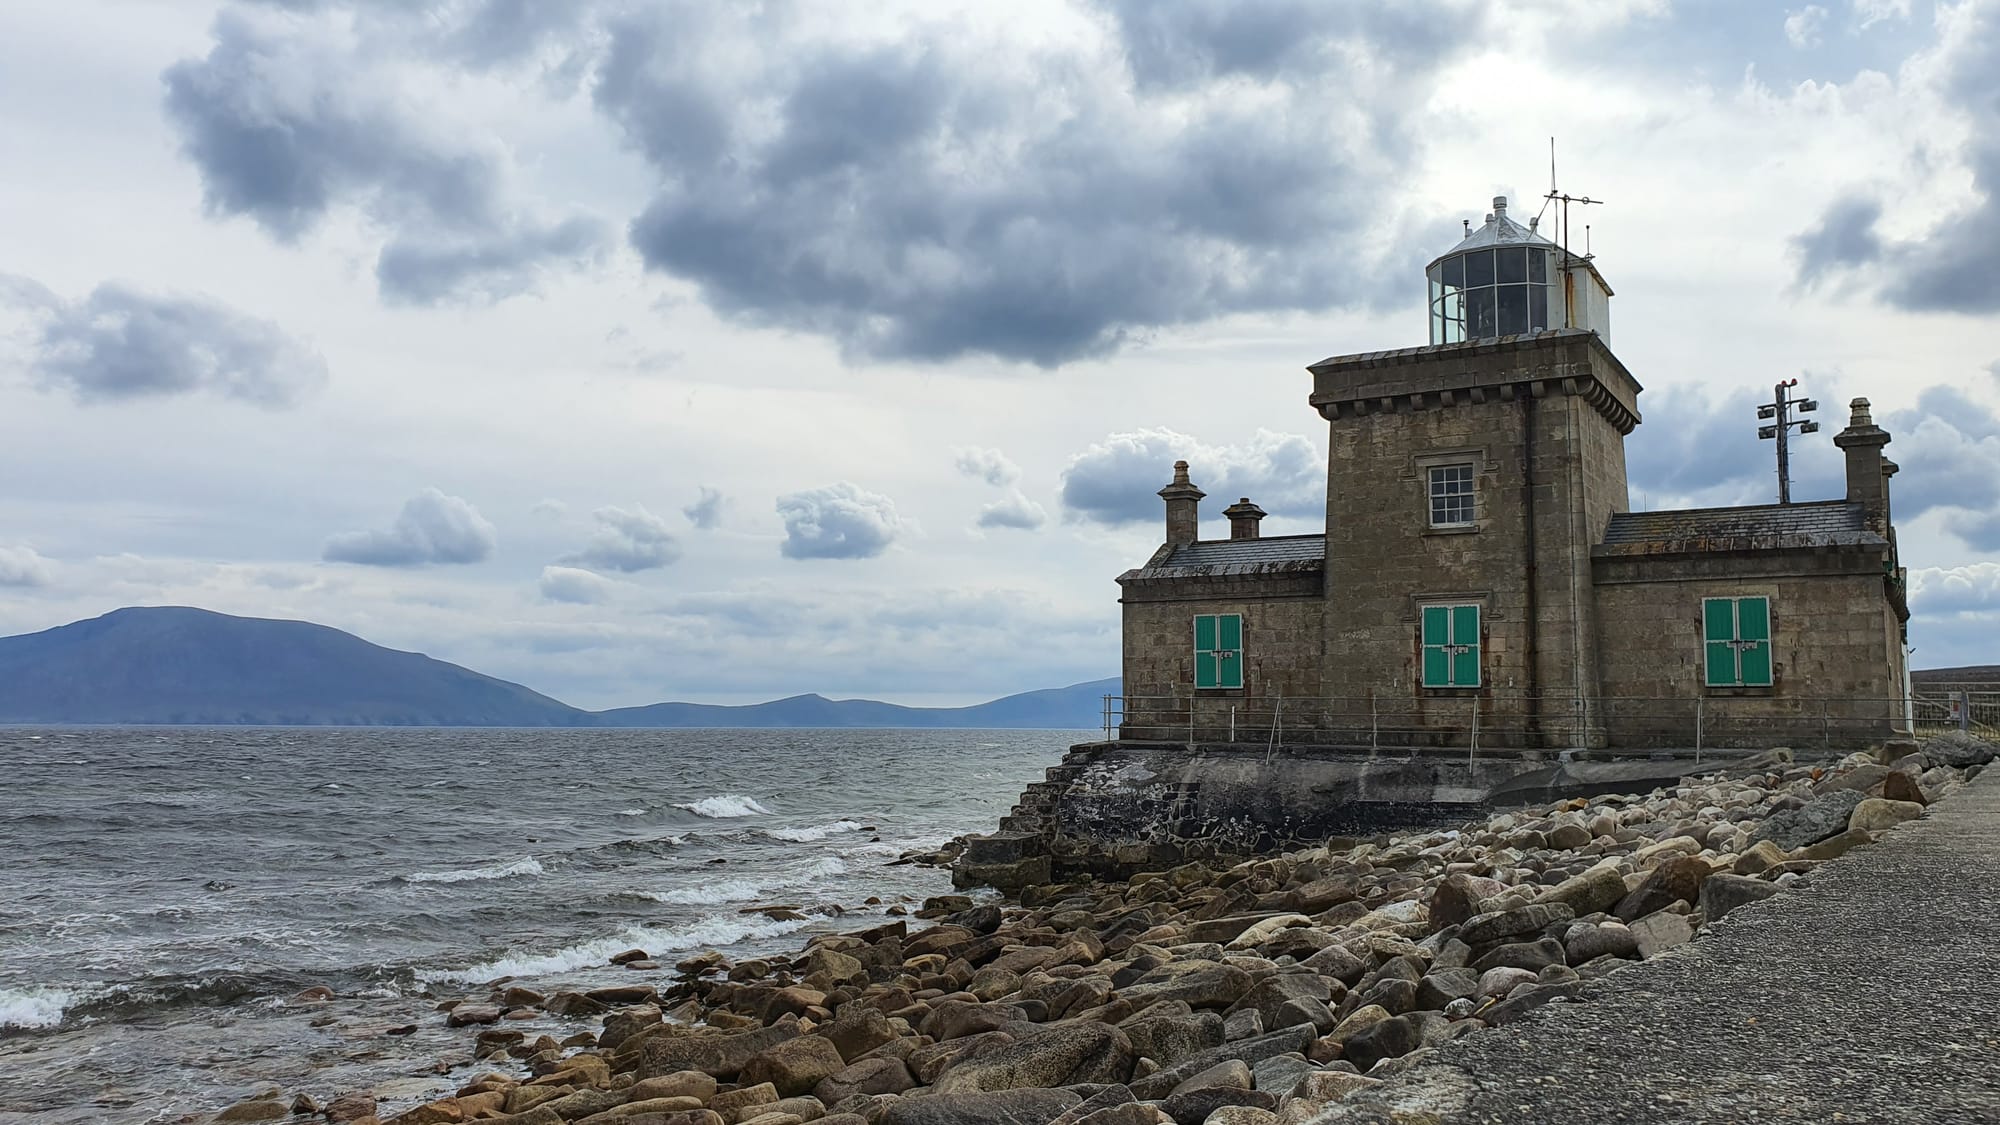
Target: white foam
816	832
822	868
714	931
712	894
33	1007
726	807
527	866
631	812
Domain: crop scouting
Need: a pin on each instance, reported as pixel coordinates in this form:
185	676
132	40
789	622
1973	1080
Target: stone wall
1835	643
1281	648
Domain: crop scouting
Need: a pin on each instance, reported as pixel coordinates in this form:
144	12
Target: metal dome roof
1498	231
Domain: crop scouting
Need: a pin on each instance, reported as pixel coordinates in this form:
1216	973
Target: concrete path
1871	994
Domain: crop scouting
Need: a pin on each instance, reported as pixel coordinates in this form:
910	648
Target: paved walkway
1872	994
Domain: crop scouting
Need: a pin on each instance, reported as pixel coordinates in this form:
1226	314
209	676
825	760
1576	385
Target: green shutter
1204	670
1753	628
1465	636
1229	658
1436	634
1736	642
1204	633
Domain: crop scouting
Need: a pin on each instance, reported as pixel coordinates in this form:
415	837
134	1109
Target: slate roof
1278	554
1825	523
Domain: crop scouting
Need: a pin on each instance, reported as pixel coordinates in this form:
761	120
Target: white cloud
432	528
841	521
1016	511
1115	481
706	512
989	465
1868	13
568	584
1803	28
628	542
21	566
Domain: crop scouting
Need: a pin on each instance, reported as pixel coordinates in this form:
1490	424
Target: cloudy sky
638	350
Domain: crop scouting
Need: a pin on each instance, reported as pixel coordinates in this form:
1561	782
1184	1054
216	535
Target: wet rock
260	1109
573	1004
627	1022
465	1015
1657	933
1059	1056
444	1111
1723	893
1004	1107
681	1084
1817	819
349	1107
629	956
1876	814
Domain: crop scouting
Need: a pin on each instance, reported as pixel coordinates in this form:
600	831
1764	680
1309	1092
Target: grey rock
1005	1107
1817	819
1721	894
1391	1038
1587	941
1498	926
1531	955
1168	1039
1657	933
1080	1051
1290	1040
1441	986
1195	1106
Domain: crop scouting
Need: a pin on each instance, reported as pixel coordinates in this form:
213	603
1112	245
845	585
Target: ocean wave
725	807
714	931
816	832
631	812
34	1007
529	866
710	894
824	868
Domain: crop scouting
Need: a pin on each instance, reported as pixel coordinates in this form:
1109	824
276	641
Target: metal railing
1497	721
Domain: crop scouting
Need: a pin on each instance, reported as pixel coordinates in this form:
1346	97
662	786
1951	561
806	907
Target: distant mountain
1077	707
173	664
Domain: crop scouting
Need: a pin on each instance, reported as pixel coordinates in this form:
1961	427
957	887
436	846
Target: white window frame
1441	502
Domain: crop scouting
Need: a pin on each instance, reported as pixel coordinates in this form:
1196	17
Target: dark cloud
1016	511
568	584
840	521
706	512
22	567
432	528
923	199
119	343
1116	481
1951	267
285	120
627	542
1948	450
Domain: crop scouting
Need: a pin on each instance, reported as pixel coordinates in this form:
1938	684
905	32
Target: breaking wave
714	931
34	1007
529	866
816	832
726	807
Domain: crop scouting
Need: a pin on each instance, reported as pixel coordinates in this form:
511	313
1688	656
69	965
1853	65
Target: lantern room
1505	279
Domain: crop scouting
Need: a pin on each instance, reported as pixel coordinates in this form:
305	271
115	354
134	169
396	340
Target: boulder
1833	847
1587	941
1656	933
744	1101
1592	892
1195	1106
1676	880
1761	856
1242	1115
1246	1024
1900	786
1204	985
1876	814
1817	819
869	1076
1495	983
857	1031
1723	893
1003	1107
721	1056
1060	1056
1388	1039
795	1066
1958	749
1456	899
465	1015
1290	1040
1496	926
1341	963
627	1022
1127	1113
261	1109
682	1084
1167	1039
1861	779
1228	1072
1441	986
1531	955
1520	1004
1285	999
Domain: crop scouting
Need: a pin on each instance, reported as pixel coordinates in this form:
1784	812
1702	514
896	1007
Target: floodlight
1767	431
1808	405
1767	412
1809	427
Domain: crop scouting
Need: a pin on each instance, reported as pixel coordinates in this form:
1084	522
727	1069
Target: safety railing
1513	721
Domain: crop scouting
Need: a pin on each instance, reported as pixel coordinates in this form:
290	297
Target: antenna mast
1557	195
1780	408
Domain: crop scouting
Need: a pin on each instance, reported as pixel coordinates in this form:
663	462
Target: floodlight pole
1780	409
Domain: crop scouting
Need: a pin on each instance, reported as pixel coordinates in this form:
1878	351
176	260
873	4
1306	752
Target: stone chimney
1183	504
1867	470
1243	517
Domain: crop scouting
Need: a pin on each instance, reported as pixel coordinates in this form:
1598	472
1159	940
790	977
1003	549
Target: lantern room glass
1490	292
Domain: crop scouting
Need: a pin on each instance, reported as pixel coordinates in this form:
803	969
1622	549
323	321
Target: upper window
1736	642
1481	294
1218	650
1451	496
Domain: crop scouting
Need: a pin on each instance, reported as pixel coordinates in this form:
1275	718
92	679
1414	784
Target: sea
166	893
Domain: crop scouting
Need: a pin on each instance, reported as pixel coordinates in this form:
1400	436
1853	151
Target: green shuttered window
1218	650
1736	641
1451	646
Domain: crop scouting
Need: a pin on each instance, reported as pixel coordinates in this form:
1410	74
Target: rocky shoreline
1255	993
